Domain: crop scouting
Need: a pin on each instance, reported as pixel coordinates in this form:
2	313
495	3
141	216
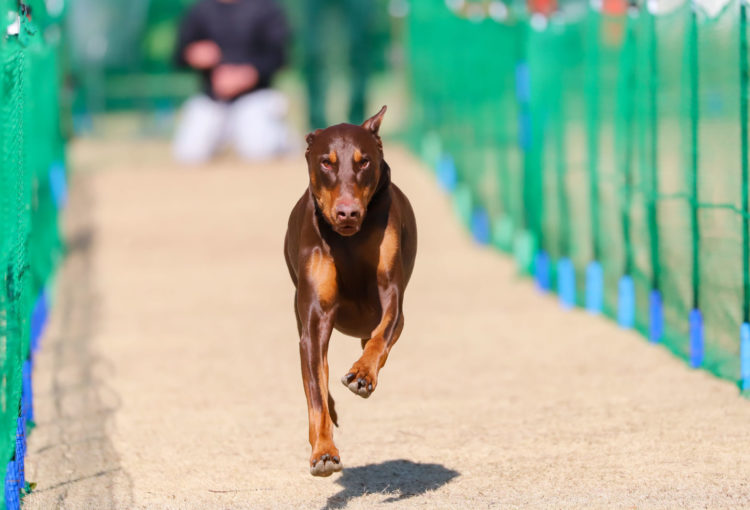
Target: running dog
350	249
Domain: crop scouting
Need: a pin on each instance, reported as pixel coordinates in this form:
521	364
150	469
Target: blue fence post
480	226
542	270
696	338
21	451
656	314
594	288
566	282
12	487
626	302
745	357
14	475
27	407
446	172
58	184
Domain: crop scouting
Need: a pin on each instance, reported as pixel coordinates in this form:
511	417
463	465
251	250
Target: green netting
31	174
613	140
475	122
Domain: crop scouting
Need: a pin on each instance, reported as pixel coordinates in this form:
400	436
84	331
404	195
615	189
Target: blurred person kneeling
237	46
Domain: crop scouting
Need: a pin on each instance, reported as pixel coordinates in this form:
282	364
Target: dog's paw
360	381
325	464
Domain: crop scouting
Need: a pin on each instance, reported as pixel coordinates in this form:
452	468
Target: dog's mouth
347	229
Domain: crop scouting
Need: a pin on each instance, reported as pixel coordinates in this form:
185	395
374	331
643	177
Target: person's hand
203	55
231	80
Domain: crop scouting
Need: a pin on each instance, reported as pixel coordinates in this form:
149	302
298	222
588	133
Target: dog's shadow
398	479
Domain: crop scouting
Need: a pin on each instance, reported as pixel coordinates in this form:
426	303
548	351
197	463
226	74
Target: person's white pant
255	125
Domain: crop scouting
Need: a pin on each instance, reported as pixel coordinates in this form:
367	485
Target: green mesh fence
32	188
606	150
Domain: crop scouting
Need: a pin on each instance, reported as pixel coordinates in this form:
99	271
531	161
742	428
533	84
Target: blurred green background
122	56
585	137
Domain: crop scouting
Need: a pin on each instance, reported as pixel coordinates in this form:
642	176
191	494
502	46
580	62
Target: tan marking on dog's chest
322	272
389	248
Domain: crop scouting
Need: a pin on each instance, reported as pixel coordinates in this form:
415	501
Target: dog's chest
357	280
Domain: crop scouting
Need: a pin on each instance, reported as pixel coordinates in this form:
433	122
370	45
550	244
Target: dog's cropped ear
373	123
311	136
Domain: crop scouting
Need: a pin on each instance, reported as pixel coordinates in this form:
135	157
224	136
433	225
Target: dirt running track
169	376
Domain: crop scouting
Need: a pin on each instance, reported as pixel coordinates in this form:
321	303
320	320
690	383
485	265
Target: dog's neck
384	182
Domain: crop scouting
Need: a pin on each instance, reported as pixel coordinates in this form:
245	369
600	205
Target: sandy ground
169	376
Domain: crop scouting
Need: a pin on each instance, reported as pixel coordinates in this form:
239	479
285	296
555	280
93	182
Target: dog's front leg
362	378
317	316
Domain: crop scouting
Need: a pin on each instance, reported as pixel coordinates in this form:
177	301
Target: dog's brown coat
348	277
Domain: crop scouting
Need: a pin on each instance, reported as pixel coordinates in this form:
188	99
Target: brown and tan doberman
350	249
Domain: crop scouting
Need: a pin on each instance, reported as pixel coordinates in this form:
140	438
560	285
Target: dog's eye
326	163
364	163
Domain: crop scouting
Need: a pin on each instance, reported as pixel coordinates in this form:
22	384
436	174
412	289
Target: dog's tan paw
360	382
325	465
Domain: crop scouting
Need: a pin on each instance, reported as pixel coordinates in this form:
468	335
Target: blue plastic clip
446	173
566	282
541	270
594	288
58	184
480	226
656	312
745	357
626	302
696	338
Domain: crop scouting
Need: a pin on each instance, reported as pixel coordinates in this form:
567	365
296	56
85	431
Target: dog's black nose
348	212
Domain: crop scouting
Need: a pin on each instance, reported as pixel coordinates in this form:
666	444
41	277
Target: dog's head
345	163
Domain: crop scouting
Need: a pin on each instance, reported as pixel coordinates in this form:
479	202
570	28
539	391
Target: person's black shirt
247	31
